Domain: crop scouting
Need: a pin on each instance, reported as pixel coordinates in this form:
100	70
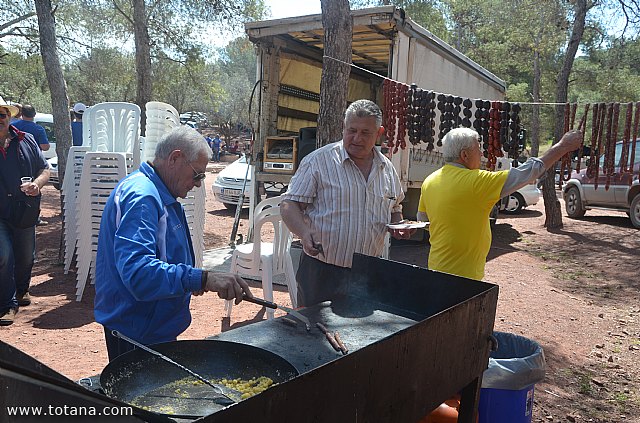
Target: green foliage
23	80
91	79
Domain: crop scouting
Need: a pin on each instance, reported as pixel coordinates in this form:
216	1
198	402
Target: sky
287	8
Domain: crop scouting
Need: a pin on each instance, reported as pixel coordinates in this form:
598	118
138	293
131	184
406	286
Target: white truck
385	43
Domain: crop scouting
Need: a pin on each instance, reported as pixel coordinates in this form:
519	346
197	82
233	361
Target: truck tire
573	203
634	211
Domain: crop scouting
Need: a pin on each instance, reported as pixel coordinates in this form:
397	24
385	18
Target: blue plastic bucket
505	406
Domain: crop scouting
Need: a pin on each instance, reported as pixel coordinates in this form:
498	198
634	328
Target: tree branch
119	10
16	20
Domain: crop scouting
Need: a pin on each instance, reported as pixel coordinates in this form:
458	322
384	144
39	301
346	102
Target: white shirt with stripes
348	213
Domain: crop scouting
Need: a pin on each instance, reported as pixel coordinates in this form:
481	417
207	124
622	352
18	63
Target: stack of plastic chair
101	173
264	260
161	118
111	133
194	210
70	186
86	129
115	127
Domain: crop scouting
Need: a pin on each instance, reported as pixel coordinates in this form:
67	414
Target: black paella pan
147	381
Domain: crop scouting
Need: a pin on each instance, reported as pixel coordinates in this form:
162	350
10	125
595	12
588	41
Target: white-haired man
339	203
457	199
145	272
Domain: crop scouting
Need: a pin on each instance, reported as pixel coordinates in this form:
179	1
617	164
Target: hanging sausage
609	157
387	111
514	127
466	112
634	137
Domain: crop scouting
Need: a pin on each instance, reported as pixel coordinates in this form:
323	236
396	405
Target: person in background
18	115
20	157
145	272
26	124
233	149
208	139
457	199
76	124
216	144
339	202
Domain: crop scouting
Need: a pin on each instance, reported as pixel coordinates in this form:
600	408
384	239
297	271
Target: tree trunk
143	59
553	214
58	89
334	84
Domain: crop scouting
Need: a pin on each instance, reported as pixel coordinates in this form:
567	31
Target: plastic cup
26	179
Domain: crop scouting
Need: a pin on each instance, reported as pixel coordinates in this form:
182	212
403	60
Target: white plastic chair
264	260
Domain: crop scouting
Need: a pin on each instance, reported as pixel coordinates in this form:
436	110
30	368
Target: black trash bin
508	383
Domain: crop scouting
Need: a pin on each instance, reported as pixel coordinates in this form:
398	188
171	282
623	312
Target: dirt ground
575	291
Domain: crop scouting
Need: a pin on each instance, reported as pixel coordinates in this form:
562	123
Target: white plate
417	225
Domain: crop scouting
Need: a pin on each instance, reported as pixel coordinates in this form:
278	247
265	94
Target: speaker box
306	142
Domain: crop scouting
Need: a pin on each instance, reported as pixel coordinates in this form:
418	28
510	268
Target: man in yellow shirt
457	199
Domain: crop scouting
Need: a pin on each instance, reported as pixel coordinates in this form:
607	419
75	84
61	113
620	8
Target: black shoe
8	317
24	299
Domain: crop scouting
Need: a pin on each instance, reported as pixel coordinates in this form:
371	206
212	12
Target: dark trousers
319	281
17	254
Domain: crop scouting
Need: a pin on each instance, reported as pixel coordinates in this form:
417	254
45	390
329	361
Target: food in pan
189	388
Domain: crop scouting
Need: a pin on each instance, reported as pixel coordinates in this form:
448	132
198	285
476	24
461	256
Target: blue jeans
17	254
216	155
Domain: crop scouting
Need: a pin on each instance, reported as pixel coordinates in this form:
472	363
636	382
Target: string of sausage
582	126
624	156
569	122
610	148
594	167
595	128
634	134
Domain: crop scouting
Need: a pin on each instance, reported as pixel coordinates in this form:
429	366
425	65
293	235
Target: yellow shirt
457	202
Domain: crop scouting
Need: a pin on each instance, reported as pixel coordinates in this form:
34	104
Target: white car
46	121
53	169
228	185
524	197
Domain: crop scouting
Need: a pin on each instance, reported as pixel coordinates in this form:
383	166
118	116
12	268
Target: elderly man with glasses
145	272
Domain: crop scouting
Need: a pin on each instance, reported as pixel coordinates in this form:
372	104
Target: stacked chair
112	148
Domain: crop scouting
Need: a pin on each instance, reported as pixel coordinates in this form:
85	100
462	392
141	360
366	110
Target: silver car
623	193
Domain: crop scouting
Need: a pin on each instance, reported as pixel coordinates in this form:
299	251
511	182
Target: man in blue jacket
145	272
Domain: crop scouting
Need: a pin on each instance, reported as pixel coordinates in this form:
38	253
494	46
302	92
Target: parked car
524	197
580	193
528	195
228	185
53	168
46	121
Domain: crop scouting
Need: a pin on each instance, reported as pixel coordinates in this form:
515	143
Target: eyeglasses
4	115
197	176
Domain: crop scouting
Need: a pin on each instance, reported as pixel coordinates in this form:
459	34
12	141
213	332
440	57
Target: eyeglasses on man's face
197	176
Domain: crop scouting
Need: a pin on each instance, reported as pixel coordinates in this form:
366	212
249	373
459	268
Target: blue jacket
144	263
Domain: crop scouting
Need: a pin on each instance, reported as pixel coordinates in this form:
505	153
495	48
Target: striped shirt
347	212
